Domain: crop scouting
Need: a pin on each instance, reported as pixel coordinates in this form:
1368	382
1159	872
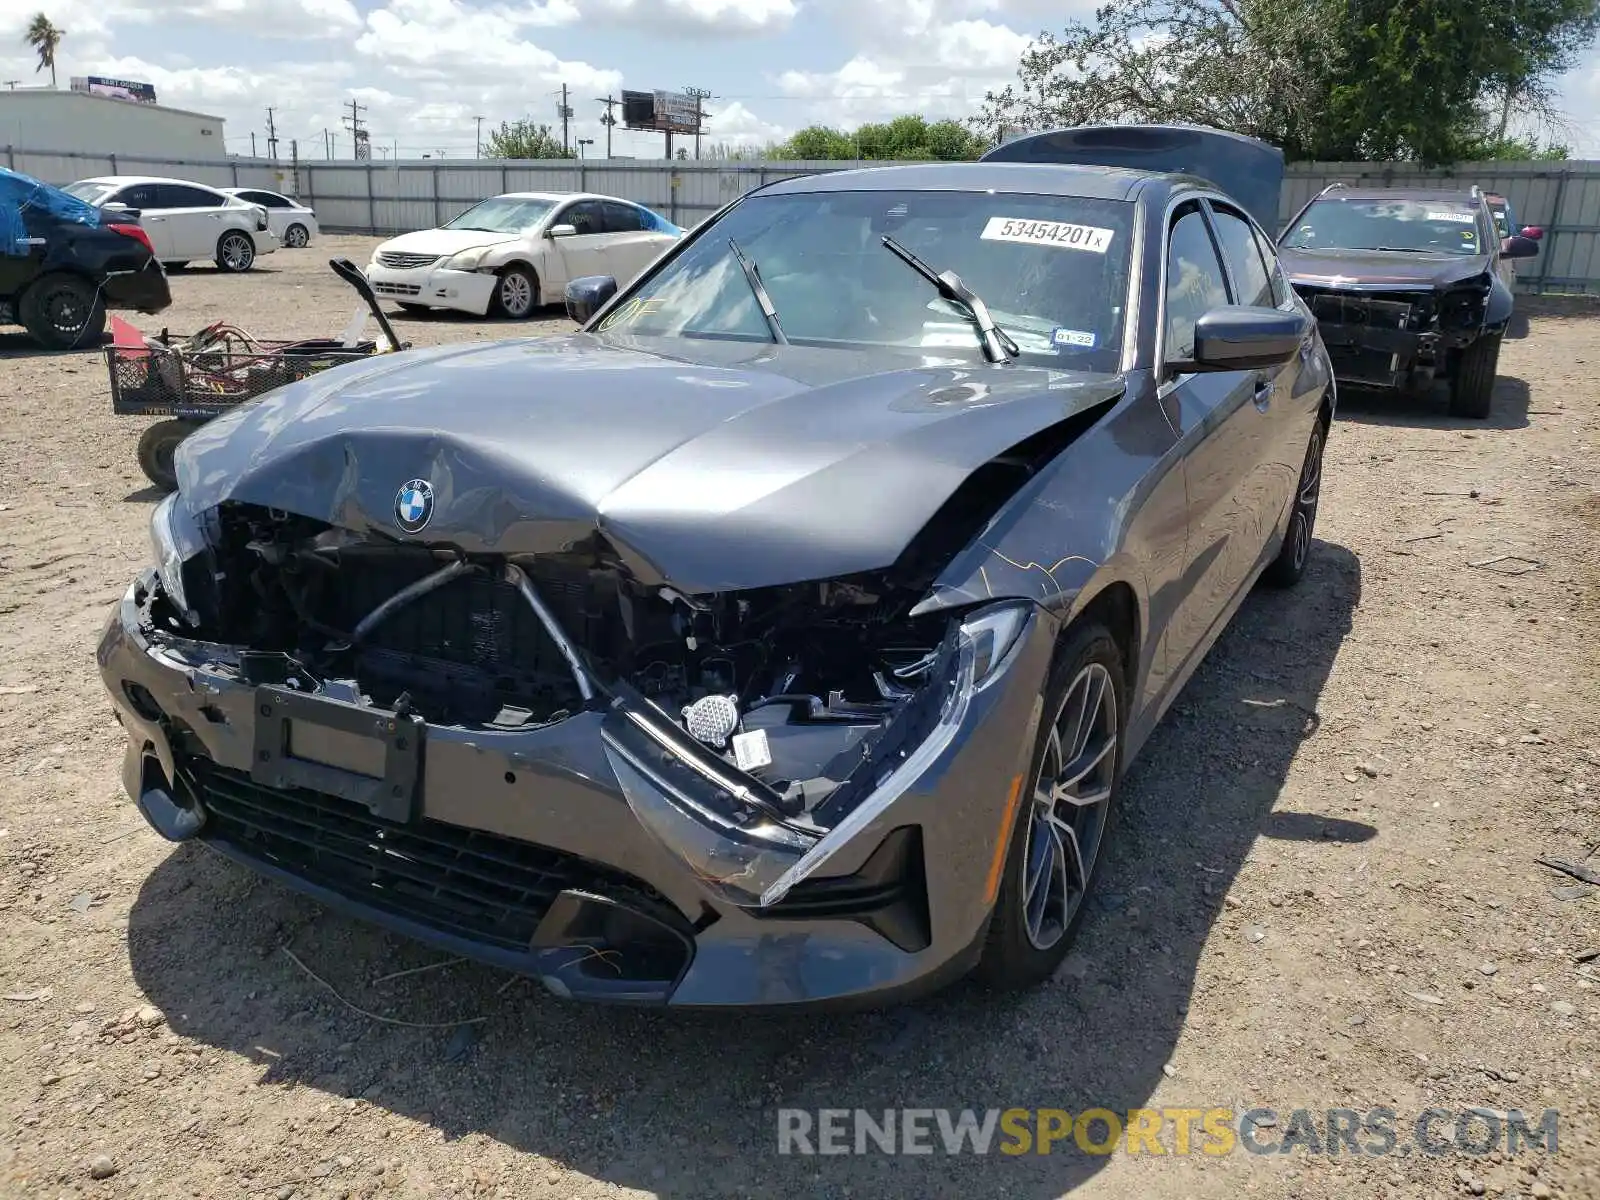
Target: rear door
20	264
145	197
1223	422
194	217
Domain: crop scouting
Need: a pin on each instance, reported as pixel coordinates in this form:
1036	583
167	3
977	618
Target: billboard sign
117	89
663	112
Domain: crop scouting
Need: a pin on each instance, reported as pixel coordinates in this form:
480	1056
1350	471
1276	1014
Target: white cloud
737	124
702	16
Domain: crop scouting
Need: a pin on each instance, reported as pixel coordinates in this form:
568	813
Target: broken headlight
467	260
718	824
175	538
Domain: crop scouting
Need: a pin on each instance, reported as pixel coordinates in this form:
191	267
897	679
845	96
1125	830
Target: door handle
1263	395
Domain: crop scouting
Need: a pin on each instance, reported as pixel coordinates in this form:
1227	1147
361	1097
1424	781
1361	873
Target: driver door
583	252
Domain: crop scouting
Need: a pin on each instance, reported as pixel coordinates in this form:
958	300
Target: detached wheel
1472	390
1287	569
516	295
296	237
235	252
63	312
1065	813
156	448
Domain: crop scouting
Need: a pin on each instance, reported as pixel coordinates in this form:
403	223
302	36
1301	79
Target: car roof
1443	195
1084	182
234	191
126	179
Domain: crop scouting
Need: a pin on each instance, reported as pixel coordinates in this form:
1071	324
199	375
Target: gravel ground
1323	894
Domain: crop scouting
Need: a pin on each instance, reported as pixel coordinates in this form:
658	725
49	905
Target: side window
138	195
1195	283
585	216
622	218
1282	293
265	199
1239	247
178	195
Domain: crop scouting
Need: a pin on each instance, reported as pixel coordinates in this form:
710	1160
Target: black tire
63	312
296	236
1472	389
236	252
1018	952
1287	569
156	448
516	294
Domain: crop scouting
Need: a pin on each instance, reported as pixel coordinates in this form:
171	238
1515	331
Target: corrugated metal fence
393	197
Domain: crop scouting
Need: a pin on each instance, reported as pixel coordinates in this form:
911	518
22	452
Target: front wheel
235	252
516	294
1064	812
63	312
1472	389
1290	565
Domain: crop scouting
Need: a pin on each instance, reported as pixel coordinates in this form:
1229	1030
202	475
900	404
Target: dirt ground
1323	894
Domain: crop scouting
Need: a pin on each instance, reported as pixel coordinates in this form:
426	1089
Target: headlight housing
467	260
743	855
175	538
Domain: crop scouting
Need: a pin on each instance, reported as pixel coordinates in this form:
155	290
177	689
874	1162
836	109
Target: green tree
524	139
44	37
907	138
817	142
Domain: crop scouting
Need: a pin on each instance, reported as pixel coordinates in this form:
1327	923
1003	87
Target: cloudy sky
425	68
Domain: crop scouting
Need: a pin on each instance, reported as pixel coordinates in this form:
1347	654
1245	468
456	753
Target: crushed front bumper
1378	341
522	849
434	287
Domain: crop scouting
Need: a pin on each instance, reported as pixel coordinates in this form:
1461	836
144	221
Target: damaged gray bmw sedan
779	637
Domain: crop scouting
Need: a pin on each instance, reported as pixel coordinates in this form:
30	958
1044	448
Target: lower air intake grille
466	883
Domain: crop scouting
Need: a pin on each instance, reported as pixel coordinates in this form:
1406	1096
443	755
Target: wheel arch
1115	604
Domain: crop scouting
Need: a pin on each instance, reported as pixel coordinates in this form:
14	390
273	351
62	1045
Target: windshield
502	214
89	193
1431	226
1052	270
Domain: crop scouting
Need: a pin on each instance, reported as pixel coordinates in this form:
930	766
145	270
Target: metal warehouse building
68	122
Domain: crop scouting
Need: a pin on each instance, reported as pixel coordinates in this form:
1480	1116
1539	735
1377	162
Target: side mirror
587	295
1240	338
1519	246
1533	232
556	231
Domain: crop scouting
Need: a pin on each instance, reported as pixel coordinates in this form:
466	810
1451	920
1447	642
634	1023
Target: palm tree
44	38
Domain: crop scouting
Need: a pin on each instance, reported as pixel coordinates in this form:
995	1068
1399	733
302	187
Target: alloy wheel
1306	499
1071	801
516	294
295	237
237	253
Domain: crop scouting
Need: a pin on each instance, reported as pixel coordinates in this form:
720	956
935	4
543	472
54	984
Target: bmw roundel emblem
413	505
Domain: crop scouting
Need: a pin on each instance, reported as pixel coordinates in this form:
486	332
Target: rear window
1430	226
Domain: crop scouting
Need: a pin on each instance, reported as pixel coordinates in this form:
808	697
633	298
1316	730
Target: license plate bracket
366	755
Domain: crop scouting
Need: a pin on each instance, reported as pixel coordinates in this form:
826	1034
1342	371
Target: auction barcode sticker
1048	233
1459	217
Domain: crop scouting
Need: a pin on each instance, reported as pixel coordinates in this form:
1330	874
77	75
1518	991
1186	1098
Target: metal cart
190	380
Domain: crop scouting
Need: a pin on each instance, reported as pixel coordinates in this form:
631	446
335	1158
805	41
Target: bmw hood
712	465
1371	269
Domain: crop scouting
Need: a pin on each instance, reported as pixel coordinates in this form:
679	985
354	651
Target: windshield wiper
759	290
997	343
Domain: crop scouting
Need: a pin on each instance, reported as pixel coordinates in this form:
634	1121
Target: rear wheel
1472	389
1064	814
157	446
1290	565
516	294
296	236
63	312
235	252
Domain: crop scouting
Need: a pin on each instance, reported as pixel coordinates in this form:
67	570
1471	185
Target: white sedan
509	254
186	221
293	222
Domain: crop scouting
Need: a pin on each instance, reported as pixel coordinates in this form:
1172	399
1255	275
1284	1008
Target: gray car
779	637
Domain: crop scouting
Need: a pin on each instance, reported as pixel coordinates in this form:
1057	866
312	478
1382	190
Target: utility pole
608	120
272	137
479	153
582	142
252	143
566	117
700	96
363	148
327	143
294	164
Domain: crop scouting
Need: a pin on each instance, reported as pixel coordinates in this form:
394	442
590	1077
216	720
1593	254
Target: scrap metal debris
1576	870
